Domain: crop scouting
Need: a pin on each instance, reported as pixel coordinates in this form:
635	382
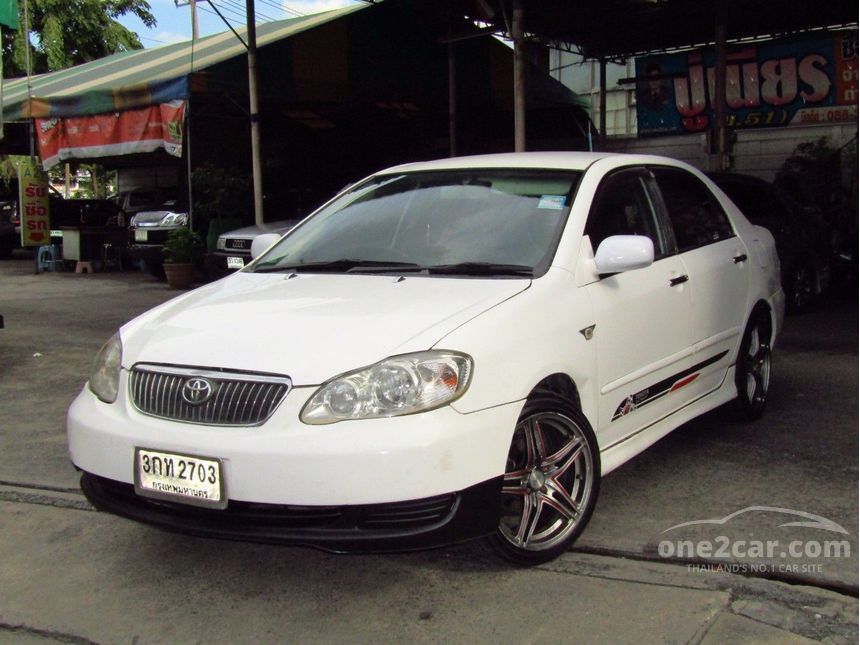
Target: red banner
108	135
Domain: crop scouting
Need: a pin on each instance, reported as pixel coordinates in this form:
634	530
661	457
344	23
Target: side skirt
615	455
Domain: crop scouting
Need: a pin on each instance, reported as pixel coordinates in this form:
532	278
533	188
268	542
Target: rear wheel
752	371
551	482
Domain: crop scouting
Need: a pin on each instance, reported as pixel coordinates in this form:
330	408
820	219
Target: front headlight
221	245
174	219
396	386
104	379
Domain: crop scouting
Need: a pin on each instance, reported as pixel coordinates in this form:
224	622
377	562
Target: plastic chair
48	258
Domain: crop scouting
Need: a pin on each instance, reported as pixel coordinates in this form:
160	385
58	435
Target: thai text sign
107	135
34	204
768	84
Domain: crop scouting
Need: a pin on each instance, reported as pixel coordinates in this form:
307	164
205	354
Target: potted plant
181	252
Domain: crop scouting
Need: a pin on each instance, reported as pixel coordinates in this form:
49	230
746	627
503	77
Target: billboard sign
117	133
799	81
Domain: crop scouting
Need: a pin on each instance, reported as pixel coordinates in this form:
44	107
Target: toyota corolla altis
446	350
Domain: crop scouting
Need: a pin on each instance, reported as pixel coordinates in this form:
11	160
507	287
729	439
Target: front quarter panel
525	339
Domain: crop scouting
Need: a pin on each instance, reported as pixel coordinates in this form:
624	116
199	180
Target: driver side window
623	206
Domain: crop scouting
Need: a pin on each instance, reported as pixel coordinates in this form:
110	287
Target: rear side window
696	215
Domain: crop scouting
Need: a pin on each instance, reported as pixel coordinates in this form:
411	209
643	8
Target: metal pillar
452	101
602	99
256	158
720	146
517	34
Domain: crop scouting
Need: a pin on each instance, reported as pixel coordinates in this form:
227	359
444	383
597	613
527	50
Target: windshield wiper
481	268
335	266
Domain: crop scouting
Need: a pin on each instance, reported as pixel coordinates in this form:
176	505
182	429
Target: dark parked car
148	231
10	233
802	240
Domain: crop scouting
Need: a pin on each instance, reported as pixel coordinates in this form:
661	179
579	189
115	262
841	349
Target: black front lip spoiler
373	528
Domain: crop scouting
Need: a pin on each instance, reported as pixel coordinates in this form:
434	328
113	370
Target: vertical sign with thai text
33	203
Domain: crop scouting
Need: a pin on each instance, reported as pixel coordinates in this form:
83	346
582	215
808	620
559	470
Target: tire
552	479
753	367
800	289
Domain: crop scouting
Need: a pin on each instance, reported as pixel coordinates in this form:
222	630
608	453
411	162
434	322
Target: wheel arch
763	309
561	385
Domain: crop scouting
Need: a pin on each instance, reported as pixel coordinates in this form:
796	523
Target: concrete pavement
69	574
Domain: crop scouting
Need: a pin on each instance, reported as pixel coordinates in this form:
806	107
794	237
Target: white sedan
446	350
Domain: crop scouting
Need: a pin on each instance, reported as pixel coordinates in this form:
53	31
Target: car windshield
458	222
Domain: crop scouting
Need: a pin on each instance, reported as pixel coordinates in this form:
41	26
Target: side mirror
261	243
620	253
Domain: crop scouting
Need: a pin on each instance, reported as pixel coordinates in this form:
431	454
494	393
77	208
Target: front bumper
149	253
397	526
352	465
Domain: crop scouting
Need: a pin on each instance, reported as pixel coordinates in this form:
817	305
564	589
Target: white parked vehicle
233	248
446	350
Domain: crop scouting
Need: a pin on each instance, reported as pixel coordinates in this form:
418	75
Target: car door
717	264
642	317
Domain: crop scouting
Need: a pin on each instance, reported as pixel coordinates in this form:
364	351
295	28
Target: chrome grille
237	398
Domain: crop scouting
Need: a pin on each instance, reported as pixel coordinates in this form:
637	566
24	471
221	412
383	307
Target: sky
174	23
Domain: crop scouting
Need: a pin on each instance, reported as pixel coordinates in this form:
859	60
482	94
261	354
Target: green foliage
64	33
183	246
220	193
812	175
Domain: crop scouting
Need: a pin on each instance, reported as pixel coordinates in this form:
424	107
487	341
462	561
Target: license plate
187	479
140	236
235	263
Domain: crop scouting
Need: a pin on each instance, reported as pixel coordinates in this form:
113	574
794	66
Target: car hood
310	327
254	230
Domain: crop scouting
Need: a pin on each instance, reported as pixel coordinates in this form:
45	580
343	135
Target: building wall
756	152
583	77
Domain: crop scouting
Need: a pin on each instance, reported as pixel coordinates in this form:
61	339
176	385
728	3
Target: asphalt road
799	464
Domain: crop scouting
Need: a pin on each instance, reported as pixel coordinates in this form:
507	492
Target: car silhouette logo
196	391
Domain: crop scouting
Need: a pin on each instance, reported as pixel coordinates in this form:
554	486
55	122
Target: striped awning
143	77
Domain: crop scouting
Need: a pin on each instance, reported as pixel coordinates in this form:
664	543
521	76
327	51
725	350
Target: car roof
561	160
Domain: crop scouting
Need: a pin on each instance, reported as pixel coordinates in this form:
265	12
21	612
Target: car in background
233	248
802	241
446	350
10	227
132	202
148	231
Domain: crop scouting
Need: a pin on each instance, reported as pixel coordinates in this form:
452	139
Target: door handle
740	258
681	279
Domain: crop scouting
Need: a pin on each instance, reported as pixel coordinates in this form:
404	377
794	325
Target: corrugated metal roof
142	77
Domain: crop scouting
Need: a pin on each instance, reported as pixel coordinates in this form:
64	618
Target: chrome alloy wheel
756	367
549	483
752	371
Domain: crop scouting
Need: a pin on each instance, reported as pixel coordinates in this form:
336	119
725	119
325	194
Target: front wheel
752	371
551	482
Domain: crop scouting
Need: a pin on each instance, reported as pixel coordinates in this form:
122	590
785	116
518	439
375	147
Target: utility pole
256	158
195	32
519	78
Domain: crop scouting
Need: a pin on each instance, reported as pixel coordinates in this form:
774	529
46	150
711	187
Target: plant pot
179	276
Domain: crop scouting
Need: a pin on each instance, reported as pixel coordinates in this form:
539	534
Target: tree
64	33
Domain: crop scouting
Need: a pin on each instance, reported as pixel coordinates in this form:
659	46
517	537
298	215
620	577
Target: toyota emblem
196	391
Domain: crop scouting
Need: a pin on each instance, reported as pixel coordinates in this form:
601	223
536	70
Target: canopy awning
140	78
